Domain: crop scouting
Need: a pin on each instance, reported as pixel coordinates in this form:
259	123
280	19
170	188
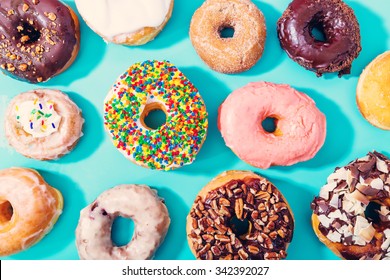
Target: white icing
111	18
37	117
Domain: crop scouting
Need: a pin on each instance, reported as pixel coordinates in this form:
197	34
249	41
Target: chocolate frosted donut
38	38
340	216
337	22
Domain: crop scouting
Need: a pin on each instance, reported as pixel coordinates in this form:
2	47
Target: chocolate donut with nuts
240	216
38	38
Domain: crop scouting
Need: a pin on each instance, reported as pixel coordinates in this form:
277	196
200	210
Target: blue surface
95	165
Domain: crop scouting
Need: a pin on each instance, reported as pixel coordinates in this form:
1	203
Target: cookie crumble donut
339	219
43	124
372	93
29	208
148	86
338	23
133	22
136	202
39	38
228	55
300	126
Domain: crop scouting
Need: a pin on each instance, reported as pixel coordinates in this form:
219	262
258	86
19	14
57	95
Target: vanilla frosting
301	127
37	117
111	18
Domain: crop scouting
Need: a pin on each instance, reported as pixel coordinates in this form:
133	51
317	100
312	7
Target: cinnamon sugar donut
215	223
137	202
228	55
43	124
339	212
29	208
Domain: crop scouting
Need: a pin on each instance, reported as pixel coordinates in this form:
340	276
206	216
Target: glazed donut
228	55
29	208
244	196
300	126
372	92
43	124
39	38
136	202
125	22
148	86
339	218
337	22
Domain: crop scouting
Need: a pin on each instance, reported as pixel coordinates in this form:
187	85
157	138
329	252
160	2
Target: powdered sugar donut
127	22
300	126
43	124
137	202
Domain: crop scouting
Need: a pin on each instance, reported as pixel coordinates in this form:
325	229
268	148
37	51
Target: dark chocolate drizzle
36	40
341	29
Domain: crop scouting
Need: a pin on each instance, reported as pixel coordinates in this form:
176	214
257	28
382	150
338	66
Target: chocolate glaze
37	38
340	27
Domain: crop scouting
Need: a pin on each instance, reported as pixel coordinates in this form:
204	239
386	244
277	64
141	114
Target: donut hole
122	231
239	227
270	124
153	116
317	31
6	211
226	32
372	212
30	31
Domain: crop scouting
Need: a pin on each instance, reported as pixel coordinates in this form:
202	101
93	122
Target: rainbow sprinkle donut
149	86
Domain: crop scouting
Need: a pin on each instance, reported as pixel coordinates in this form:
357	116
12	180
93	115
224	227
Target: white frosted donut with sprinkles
150	86
43	124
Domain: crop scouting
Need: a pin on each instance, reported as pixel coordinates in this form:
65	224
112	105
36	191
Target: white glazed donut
137	202
127	22
43	124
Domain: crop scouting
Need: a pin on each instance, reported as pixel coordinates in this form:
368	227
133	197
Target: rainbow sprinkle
173	144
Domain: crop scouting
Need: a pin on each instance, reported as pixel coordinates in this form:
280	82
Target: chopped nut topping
39	79
24	38
10	67
52	16
35	2
25	7
23	67
20	28
270	224
11	12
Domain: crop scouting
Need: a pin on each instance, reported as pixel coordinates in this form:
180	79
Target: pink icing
301	125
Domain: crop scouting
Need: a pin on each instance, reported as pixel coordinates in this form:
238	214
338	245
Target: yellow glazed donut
126	22
373	92
29	208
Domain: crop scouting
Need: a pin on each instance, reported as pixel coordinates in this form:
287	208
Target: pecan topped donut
38	38
240	215
340	216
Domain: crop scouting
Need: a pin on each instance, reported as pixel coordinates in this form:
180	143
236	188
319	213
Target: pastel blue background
95	165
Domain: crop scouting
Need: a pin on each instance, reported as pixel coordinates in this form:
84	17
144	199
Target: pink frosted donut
300	127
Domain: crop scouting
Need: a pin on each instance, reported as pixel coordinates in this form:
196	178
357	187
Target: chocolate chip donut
240	215
38	38
337	22
339	212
